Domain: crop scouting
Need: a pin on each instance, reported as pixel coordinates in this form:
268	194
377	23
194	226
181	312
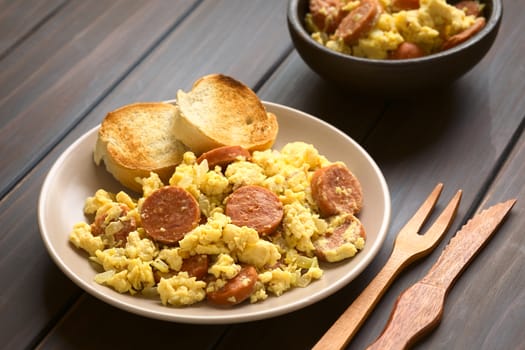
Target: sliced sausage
255	207
223	156
327	14
169	213
406	50
336	190
237	289
471	8
331	247
459	38
400	5
359	21
121	237
98	227
196	266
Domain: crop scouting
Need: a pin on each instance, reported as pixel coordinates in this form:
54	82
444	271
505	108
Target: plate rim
221	318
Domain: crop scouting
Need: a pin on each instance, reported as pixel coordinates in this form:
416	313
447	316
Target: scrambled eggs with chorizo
427	27
134	263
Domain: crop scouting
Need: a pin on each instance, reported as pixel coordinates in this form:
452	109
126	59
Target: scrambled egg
428	27
283	260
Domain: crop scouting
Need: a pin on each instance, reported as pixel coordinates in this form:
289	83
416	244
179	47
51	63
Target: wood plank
247	55
413	164
167	68
19	18
353	115
90	324
477	129
311	320
33	290
492	287
66	66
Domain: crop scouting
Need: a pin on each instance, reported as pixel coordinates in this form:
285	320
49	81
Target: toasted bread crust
137	139
221	111
140	138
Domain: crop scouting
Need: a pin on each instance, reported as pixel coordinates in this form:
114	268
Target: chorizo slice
336	190
223	156
327	14
463	36
121	237
340	243
196	266
237	289
359	21
98	227
168	214
407	50
400	5
255	207
471	7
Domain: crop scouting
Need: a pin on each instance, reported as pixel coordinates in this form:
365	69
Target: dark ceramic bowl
392	77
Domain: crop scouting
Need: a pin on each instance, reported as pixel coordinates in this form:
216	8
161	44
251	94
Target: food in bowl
230	224
392	29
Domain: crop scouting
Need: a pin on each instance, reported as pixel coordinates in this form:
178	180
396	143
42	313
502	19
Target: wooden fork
409	246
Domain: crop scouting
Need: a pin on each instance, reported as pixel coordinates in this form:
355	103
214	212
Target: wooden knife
420	308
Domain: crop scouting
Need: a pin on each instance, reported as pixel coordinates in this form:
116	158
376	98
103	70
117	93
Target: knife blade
419	308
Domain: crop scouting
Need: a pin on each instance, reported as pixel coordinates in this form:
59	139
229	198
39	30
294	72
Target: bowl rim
295	23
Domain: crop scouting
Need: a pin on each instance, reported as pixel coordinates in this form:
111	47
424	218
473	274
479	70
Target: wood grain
57	74
89	315
419	308
158	76
59	77
410	245
491	288
413	142
412	319
18	19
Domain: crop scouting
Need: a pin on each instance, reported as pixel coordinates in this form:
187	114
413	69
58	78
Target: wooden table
65	64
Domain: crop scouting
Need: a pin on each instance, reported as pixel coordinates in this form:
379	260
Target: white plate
74	177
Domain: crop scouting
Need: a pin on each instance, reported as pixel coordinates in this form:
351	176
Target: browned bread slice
221	111
137	139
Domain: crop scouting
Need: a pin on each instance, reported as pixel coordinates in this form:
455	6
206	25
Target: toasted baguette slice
221	111
137	139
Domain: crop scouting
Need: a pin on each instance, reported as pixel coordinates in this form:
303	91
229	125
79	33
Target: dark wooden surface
65	64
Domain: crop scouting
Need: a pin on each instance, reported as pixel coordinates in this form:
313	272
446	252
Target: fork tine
418	219
434	234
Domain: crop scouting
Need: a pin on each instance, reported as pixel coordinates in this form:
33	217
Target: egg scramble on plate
283	260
